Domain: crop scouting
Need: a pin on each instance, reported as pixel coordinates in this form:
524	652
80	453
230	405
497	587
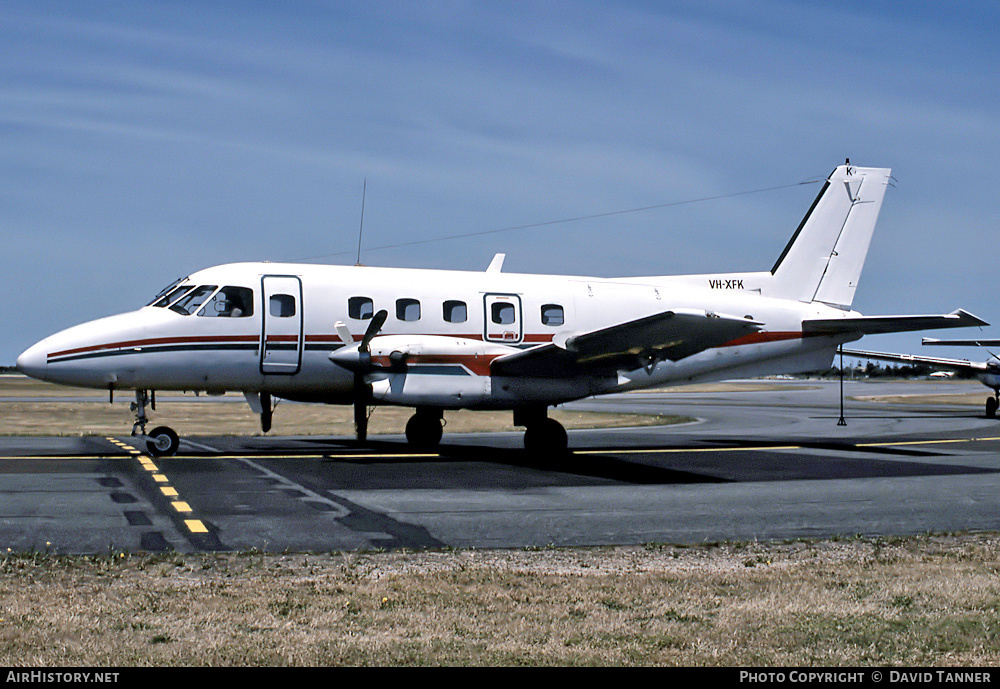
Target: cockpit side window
229	302
190	302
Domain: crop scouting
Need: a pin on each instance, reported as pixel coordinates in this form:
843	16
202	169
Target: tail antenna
361	229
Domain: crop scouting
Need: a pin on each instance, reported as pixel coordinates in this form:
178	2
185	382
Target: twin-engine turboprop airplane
988	372
437	340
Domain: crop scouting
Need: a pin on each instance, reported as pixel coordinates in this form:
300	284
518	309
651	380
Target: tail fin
823	260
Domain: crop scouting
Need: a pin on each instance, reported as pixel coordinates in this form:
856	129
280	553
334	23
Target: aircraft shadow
735	462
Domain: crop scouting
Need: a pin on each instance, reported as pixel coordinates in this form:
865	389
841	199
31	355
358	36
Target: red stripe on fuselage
477	364
156	341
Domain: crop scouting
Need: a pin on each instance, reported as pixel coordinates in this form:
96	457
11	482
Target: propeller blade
343	333
359	358
361	408
377	322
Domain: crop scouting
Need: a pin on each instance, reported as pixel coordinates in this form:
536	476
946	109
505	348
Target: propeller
359	360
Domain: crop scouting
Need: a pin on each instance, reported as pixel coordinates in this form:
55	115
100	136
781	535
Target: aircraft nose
33	361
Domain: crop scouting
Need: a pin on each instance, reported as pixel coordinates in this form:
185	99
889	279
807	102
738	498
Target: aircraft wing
963	365
627	346
877	325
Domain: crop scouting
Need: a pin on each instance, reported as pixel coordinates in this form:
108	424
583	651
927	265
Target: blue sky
141	141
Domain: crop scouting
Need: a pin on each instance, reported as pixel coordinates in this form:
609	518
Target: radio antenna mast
361	229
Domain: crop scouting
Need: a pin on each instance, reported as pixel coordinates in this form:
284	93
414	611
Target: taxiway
761	462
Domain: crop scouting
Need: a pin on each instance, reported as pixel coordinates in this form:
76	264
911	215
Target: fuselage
263	327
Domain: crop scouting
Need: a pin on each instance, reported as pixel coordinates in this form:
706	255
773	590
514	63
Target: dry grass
918	601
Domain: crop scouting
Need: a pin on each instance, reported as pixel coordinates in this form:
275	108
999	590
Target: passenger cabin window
455	312
360	308
229	302
503	313
282	305
193	300
552	314
408	309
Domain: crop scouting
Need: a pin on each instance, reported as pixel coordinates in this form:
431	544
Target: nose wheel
162	441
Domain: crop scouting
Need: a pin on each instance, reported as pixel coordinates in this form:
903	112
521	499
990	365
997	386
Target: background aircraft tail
823	260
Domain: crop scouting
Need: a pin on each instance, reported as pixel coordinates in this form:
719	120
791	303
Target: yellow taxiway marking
168	491
195	526
181	506
927	442
671	450
125	446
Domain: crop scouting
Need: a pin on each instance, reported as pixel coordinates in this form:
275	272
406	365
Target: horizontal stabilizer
933	361
962	343
627	346
878	325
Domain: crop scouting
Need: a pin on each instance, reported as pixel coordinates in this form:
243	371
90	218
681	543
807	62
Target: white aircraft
437	340
988	372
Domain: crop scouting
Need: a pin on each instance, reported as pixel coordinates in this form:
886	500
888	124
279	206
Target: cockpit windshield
169	293
186	299
173	295
191	301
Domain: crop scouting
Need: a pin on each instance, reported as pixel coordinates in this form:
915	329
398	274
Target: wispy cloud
144	139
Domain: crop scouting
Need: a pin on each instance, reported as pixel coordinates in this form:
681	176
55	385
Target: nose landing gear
162	441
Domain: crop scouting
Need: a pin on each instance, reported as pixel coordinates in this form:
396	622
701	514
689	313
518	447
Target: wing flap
627	346
879	325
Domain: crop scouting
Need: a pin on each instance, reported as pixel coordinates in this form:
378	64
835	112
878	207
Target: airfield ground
931	600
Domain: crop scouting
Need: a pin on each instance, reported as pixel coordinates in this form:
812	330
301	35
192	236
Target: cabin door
281	334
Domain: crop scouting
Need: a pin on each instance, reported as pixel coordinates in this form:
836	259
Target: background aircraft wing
627	346
962	343
962	365
877	325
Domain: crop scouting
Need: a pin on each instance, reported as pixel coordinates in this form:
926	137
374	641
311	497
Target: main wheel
162	442
546	437
423	431
991	407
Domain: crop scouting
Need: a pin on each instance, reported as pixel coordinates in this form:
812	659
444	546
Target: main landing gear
424	429
992	403
162	441
542	436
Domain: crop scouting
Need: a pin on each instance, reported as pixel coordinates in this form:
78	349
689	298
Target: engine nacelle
425	370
